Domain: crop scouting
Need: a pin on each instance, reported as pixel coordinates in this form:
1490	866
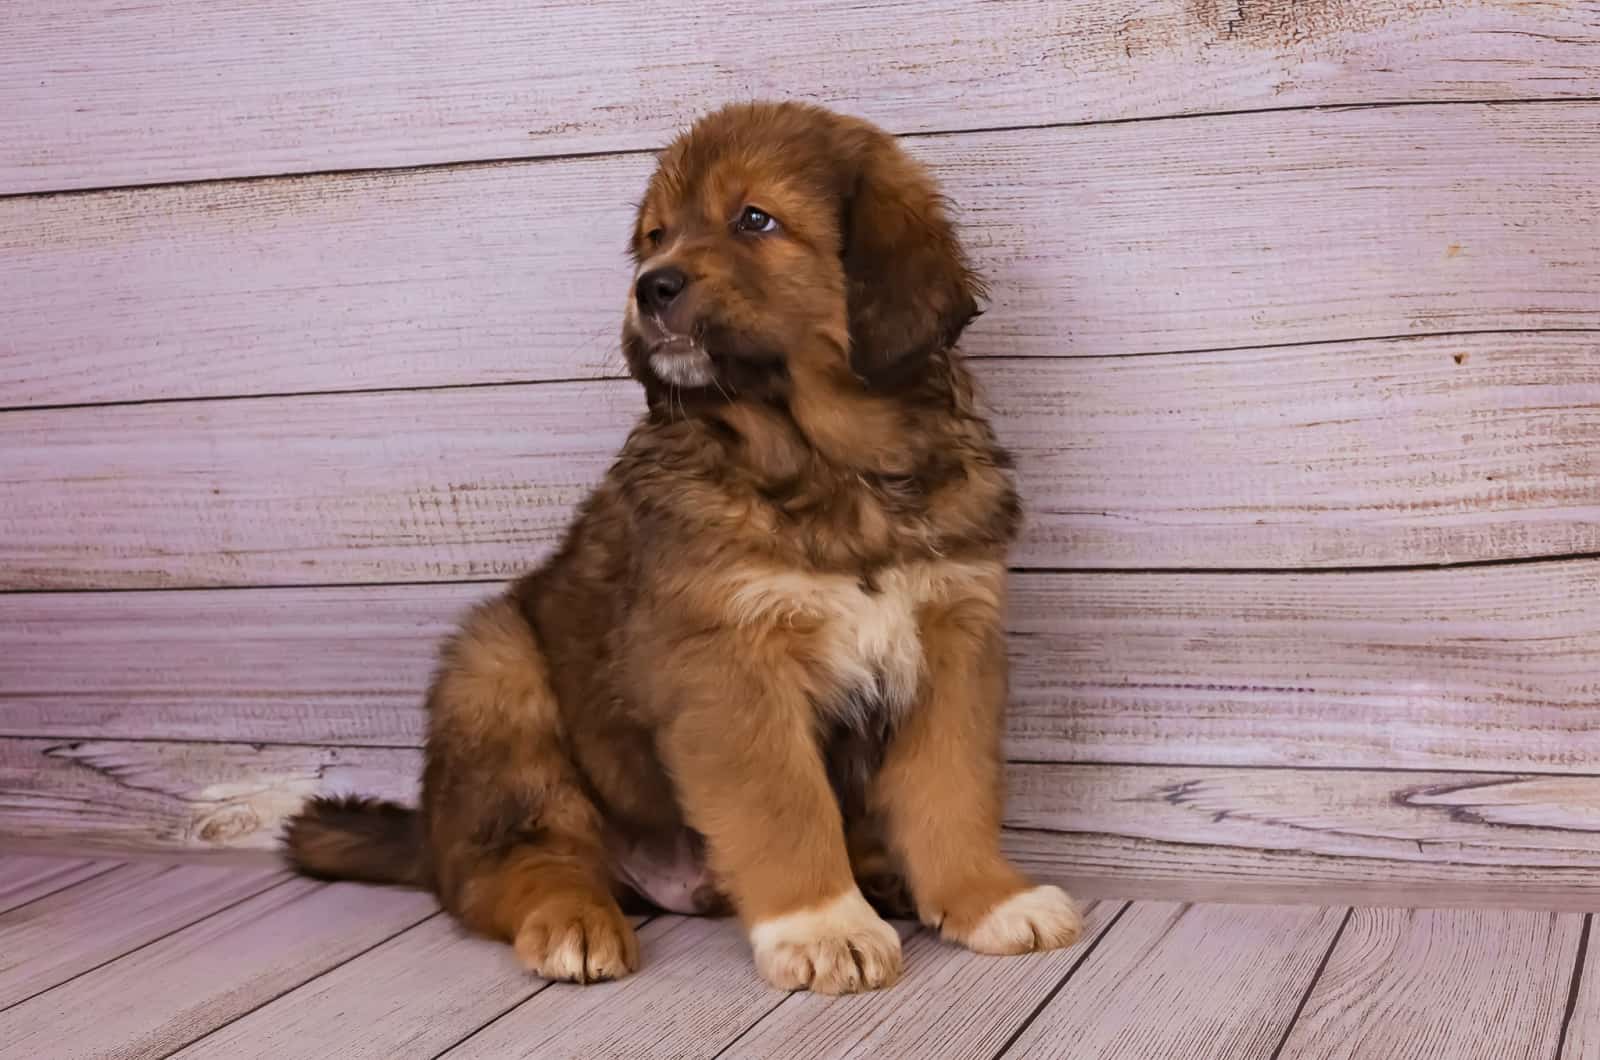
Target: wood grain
1371	453
1227	231
164	996
54	939
1484	668
101	93
1102	824
1448	821
1479	668
334	665
951	1003
697	990
26	878
1143	994
179	796
1421	984
414	995
1583	1020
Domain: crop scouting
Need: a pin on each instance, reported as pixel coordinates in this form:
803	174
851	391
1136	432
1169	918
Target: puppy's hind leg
516	843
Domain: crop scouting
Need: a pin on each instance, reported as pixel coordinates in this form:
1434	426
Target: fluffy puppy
765	670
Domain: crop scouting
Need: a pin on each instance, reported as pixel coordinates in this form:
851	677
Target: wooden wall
307	337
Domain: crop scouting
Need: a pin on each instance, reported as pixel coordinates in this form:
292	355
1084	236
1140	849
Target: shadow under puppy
766	668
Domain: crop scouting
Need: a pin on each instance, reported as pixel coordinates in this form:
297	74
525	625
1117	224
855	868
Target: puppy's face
778	240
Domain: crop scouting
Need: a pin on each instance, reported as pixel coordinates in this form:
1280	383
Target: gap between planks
620	377
951	131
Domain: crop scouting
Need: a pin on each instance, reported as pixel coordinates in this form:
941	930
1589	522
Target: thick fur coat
765	672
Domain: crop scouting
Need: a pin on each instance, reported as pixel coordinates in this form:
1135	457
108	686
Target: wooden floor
147	959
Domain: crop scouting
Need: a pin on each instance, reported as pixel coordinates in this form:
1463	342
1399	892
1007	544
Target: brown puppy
767	661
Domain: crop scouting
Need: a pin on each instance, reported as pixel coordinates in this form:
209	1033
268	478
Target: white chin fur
682	367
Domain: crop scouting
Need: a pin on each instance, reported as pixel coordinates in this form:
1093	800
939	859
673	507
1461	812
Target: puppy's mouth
681	361
674	358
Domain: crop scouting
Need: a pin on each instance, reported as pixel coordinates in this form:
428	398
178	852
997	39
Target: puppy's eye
655	236
755	219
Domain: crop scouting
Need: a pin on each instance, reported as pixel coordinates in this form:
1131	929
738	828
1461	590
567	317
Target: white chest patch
870	637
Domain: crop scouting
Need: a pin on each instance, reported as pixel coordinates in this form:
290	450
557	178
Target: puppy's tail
354	838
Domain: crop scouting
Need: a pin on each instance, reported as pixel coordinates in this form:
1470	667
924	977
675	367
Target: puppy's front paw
1040	918
582	941
842	947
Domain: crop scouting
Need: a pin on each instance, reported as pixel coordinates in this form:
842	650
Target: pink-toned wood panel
57	938
1142	995
1104	822
1483	668
1377	453
697	992
951	1004
413	996
1227	231
1583	1020
1485	819
26	878
179	797
155	1000
101	93
1425	984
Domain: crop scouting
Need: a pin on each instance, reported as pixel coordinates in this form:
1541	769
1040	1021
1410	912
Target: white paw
1042	918
839	948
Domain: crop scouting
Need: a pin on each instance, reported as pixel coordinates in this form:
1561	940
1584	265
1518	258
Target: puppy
765	670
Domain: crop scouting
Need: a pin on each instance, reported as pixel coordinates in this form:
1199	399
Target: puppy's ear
911	292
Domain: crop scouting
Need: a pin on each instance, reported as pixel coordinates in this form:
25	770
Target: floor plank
413	996
27	877
53	939
160	998
697	991
1426	984
1582	1019
1145	994
951	1004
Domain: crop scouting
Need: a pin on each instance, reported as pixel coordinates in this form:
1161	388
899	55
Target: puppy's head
780	237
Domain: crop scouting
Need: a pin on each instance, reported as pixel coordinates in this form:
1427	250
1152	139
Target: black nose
657	288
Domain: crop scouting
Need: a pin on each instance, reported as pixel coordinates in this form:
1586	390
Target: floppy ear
910	290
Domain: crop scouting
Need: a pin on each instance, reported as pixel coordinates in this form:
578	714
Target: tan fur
765	670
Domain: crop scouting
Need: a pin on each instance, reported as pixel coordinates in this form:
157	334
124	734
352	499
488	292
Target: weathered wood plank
698	991
1484	668
26	878
1448	821
412	996
101	93
1480	668
1422	984
415	995
1370	453
49	941
330	665
1201	982
160	998
951	1004
1229	231
180	797
1103	824
1582	1021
